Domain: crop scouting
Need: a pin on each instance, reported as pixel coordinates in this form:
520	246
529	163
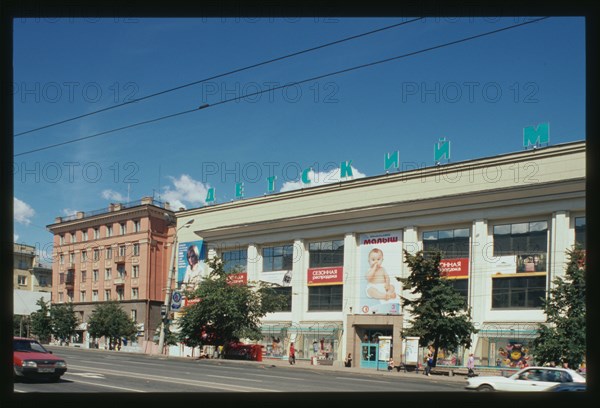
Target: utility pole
170	274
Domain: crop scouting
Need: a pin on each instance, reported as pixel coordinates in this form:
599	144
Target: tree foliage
41	323
226	311
563	337
64	321
439	316
110	320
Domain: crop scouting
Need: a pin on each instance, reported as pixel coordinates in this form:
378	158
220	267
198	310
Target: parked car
32	360
527	379
571	386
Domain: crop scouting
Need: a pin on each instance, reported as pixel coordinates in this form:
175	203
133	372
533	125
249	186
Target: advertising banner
411	350
191	266
455	267
325	276
281	278
379	264
240	278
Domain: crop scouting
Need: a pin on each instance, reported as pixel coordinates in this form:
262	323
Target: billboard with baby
379	264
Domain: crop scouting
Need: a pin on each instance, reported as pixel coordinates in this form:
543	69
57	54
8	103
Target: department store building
504	224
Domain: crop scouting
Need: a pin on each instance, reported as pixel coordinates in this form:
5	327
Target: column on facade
480	269
410	243
254	259
562	238
299	291
350	286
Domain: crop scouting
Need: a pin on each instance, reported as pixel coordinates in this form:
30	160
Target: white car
527	379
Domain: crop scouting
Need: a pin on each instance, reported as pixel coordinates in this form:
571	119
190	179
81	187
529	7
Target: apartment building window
121	271
122	250
62	239
96	255
61	259
135	271
326	253
323	298
453	243
74	237
137	226
278	258
136	249
71	257
84	235
82	296
96	233
83	276
109	231
43	281
135	292
109	253
580	231
134	315
235	261
21	280
95	275
70	296
107	295
123	228
83	256
94	295
60	297
61	278
120	293
107	273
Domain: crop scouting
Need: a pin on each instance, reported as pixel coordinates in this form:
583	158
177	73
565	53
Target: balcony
69	283
120	259
119	281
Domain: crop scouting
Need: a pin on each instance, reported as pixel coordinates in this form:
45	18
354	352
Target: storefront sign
456	267
325	276
238	278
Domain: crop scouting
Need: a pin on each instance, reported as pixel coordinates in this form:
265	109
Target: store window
453	243
326	253
521	238
580	231
518	293
277	258
235	261
324	298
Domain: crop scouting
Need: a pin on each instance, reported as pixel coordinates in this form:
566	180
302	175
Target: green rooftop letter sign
441	150
536	135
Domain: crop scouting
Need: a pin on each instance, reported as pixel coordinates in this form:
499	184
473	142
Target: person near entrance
292	356
348	360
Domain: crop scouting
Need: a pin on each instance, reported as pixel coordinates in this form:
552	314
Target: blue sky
478	94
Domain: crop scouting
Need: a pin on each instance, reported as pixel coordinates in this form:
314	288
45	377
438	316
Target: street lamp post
170	273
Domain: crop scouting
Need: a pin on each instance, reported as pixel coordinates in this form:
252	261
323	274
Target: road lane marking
89	375
362	380
108	386
179	381
229	378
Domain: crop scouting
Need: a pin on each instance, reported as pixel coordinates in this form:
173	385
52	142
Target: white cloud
112	195
317	179
67	212
15	237
22	212
186	192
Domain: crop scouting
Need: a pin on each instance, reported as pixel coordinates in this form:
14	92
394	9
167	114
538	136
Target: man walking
292	354
471	365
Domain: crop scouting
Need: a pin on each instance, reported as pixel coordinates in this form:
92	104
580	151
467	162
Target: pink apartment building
121	253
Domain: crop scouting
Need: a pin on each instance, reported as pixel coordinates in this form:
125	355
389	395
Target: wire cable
206	105
235	71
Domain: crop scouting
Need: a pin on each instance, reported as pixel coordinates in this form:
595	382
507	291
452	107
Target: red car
32	360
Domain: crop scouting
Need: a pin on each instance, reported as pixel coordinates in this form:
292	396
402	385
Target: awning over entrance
521	330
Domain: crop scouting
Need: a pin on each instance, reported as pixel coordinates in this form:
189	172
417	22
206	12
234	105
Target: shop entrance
368	355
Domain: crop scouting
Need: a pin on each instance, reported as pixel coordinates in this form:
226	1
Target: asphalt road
98	371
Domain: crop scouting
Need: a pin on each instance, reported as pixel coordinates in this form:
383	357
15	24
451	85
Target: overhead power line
357	67
235	71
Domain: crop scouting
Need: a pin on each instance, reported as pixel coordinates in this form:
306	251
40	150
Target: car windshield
28	345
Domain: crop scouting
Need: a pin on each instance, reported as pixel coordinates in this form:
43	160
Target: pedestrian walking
292	356
471	365
429	365
348	361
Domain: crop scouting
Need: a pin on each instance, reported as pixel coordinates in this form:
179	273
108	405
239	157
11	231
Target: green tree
110	320
64	321
438	311
563	337
226	311
41	323
171	339
21	326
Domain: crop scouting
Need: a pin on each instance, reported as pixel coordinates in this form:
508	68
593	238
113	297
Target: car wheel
485	388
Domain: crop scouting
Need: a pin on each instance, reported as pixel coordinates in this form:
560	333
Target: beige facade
29	274
119	254
541	189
